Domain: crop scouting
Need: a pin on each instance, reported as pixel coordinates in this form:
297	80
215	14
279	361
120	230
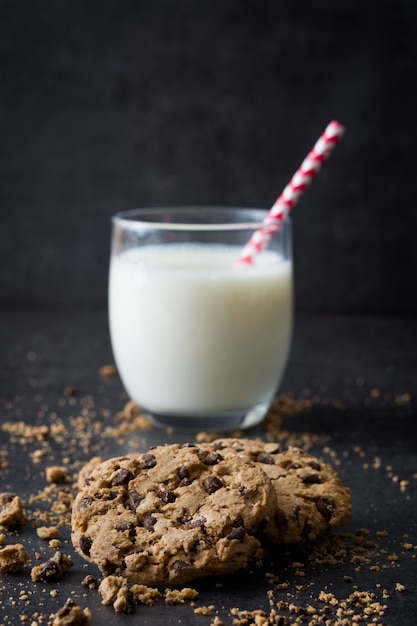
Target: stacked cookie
180	512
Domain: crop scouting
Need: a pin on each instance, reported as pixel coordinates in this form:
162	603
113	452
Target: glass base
216	421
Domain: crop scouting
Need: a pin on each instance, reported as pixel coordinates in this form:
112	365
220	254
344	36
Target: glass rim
139	219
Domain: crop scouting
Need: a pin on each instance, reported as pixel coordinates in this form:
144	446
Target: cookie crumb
130	409
47	532
108	371
144	594
72	615
131	419
204	610
13	558
179	596
114	590
11	511
205	437
90	581
57	474
53	569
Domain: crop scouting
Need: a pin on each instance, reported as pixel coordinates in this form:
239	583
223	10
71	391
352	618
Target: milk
194	334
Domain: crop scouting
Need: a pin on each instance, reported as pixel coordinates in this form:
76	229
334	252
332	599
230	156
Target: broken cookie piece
13	558
53	569
72	615
48	532
114	590
11	511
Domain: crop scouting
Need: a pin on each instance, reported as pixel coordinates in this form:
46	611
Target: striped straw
292	192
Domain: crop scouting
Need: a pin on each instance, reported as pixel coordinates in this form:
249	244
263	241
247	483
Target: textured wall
112	105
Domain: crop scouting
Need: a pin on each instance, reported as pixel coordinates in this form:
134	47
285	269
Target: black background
109	105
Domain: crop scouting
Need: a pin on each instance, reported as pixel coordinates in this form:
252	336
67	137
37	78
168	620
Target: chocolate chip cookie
173	514
311	497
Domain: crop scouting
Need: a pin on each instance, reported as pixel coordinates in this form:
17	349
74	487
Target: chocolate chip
85	544
106	494
51	570
185	517
198	523
134	551
84	503
316	466
211	458
311	479
183	472
294	516
264	457
134	500
237	533
148	461
212	484
243	490
124	526
89	581
148	522
292	465
185	482
122	477
325	506
167	497
5	499
129	605
177	566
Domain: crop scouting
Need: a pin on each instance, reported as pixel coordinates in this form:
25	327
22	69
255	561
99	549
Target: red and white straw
292	192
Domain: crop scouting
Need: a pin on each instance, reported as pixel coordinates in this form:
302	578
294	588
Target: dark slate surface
360	374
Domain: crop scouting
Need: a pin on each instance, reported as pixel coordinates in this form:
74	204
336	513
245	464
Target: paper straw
292	192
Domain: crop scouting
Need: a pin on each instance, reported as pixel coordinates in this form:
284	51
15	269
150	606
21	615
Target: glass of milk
200	342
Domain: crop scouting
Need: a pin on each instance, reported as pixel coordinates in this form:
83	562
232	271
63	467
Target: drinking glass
200	341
